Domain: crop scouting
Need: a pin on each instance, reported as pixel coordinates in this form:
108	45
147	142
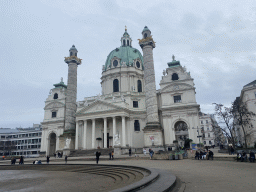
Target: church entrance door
181	133
52	144
107	140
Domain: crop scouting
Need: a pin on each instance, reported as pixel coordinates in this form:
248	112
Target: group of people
59	155
243	156
111	155
21	162
206	154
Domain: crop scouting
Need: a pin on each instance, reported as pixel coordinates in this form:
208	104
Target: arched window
71	53
139	86
127	42
55	96
145	35
116	85
76	54
175	76
123	42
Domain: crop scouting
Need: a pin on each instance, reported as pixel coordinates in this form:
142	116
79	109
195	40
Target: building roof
73	48
252	83
127	54
8	130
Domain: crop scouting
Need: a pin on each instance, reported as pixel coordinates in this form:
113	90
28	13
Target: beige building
117	117
248	96
207	129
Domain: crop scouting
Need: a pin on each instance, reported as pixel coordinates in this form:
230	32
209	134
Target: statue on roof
61	79
173	58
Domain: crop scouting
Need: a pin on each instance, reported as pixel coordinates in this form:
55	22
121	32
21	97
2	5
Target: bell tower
153	131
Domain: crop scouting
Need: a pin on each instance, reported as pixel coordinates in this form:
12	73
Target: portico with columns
104	121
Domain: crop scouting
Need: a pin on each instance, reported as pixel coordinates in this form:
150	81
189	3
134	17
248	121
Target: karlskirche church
130	113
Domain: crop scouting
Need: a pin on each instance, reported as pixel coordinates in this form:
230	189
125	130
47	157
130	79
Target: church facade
121	116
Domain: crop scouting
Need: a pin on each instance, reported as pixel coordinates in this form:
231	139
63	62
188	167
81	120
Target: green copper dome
126	54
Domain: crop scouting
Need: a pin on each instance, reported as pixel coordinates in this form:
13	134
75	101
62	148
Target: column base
153	135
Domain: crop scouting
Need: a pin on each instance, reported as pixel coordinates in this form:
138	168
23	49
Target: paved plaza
193	175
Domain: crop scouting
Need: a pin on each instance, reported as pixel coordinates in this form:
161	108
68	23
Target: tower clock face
138	64
115	63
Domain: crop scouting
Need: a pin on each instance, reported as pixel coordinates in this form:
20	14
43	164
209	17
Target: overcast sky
215	40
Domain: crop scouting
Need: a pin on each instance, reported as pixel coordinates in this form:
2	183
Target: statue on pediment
68	140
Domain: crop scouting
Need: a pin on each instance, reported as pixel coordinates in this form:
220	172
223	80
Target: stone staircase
90	152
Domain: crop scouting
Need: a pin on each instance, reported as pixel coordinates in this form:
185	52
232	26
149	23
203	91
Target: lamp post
198	136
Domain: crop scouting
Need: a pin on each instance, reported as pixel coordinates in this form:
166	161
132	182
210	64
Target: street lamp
198	136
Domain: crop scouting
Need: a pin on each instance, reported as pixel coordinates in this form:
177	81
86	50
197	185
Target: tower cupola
146	32
126	39
73	51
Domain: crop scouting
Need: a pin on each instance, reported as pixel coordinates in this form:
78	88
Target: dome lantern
126	39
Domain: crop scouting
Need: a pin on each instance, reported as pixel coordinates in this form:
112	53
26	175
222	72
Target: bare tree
226	121
242	117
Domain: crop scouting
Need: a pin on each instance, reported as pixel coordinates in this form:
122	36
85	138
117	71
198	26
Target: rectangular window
210	142
54	114
207	128
177	99
206	121
135	104
205	142
136	125
209	135
255	94
202	122
202	129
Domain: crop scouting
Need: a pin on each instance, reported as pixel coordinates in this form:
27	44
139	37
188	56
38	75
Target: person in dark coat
210	155
66	159
109	155
252	156
47	159
232	150
21	160
130	152
97	156
244	156
197	155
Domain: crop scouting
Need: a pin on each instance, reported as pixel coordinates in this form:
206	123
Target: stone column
153	127
71	107
57	143
93	133
114	127
105	133
76	143
85	133
123	132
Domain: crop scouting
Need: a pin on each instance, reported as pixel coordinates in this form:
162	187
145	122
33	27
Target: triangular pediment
100	107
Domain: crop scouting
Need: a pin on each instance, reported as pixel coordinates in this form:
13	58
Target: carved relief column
76	144
85	133
93	133
123	132
105	133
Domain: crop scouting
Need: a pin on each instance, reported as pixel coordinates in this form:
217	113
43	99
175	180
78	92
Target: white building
118	116
207	129
248	96
21	141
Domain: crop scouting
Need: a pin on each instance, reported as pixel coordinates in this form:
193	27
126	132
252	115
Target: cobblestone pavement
202	175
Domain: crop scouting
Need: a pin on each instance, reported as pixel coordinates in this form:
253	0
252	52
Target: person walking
151	153
232	150
97	156
66	159
130	152
112	154
21	160
47	159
